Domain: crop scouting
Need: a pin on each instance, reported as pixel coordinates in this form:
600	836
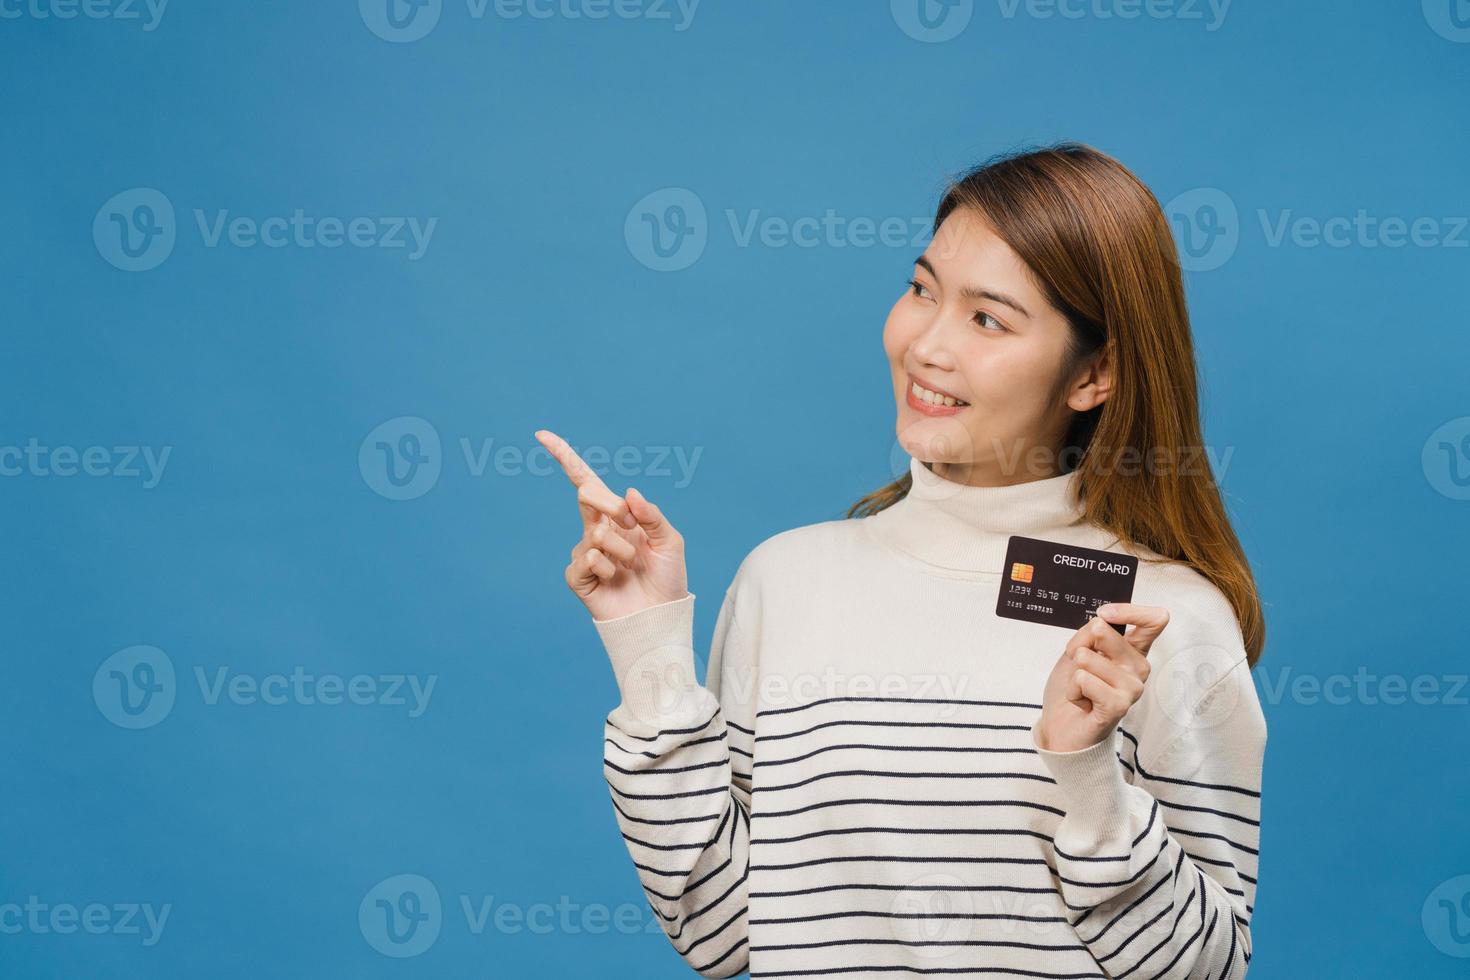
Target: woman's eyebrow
972	292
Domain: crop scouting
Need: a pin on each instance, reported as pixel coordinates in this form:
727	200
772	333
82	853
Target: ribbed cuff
652	655
1092	782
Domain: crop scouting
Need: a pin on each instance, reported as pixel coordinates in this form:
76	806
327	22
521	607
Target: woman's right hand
617	570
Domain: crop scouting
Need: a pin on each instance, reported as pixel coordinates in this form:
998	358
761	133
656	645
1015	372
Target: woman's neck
967	527
996	475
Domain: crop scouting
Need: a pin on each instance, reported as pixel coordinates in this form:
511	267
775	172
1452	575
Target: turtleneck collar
967	528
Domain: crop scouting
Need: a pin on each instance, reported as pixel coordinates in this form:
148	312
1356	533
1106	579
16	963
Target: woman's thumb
649	517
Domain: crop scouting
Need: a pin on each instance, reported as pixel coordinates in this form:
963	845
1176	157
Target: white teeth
934	398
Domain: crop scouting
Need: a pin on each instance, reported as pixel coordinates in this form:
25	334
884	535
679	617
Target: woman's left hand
1098	677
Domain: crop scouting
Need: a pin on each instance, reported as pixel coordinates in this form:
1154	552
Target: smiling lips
930	401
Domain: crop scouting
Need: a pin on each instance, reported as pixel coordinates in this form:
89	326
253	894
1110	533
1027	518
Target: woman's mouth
931	402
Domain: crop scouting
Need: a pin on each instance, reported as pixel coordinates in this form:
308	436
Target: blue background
267	543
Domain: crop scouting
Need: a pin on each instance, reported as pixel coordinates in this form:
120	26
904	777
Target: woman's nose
935	345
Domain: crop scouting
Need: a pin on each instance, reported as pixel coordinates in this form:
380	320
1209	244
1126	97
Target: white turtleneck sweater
856	789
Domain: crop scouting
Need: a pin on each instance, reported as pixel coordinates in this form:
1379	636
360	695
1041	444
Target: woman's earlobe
1094	386
1089	393
1085	399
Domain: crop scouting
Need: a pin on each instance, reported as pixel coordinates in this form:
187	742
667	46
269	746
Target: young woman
880	773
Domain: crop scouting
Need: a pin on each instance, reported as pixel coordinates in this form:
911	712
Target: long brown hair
1100	249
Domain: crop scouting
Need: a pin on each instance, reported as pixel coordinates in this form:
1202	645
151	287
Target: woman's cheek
894	343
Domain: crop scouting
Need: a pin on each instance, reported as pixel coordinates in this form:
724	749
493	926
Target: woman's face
976	328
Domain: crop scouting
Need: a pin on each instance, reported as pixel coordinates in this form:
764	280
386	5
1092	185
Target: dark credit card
1062	584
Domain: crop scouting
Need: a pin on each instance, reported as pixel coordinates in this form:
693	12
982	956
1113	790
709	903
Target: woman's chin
935	440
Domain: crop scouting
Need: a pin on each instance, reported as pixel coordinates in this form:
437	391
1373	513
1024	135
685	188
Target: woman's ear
1093	383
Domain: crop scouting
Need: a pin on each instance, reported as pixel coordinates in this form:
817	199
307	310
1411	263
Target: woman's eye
981	317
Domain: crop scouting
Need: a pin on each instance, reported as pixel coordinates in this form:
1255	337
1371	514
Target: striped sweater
855	789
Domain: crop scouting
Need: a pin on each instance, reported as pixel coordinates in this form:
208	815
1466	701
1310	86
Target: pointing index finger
593	496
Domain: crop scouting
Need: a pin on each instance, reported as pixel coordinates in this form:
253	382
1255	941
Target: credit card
1062	584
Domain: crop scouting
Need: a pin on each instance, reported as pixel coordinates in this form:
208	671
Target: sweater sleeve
677	759
1159	868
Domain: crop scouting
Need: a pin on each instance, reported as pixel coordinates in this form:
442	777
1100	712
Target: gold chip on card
1021	572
